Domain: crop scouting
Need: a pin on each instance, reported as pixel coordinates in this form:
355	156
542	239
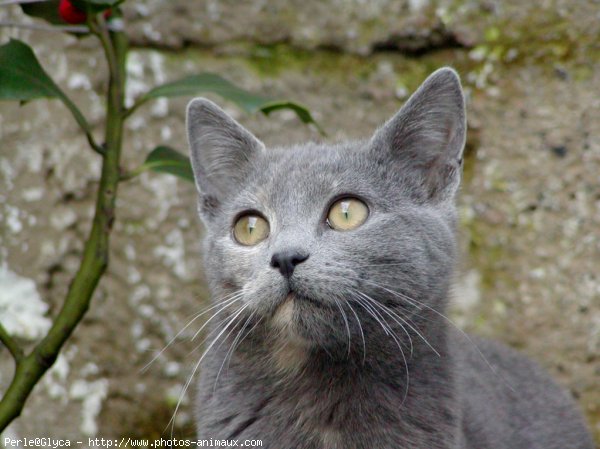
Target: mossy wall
530	204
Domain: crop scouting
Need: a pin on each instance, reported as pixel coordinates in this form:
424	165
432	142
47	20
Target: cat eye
250	229
347	214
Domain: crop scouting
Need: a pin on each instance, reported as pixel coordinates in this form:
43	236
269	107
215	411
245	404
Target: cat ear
221	150
427	135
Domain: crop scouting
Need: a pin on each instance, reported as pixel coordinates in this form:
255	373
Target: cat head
329	243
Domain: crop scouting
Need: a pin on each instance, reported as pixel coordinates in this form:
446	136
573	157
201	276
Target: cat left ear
221	151
427	135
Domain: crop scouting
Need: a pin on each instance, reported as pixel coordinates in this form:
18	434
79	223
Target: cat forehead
417	153
311	170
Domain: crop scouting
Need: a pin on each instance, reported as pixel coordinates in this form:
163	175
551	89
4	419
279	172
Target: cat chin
283	317
288	313
290	350
301	322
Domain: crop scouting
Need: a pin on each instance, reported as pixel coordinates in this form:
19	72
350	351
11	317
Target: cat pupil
345	206
251	224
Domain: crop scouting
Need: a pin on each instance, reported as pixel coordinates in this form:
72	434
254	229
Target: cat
330	268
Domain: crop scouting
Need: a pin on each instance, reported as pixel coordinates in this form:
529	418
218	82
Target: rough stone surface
530	206
357	26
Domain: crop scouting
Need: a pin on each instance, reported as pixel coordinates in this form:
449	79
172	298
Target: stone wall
530	205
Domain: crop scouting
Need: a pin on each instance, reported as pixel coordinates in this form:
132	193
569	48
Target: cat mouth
290	306
296	297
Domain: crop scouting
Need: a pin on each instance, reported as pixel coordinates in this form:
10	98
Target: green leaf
165	159
96	5
22	78
303	114
21	75
101	3
208	82
212	83
47	10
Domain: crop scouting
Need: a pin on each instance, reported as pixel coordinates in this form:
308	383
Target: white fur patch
284	314
290	355
330	439
290	351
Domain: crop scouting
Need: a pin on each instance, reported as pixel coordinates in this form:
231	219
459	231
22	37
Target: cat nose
285	261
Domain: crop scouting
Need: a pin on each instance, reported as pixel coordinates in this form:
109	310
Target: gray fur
362	356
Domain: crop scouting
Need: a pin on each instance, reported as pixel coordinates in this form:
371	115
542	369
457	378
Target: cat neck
335	399
382	354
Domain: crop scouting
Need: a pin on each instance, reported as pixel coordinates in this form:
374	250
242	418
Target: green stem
136	104
129	175
83	123
10	344
31	368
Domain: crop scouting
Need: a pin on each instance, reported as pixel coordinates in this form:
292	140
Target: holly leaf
303	114
22	78
96	5
212	83
46	10
164	159
21	75
103	3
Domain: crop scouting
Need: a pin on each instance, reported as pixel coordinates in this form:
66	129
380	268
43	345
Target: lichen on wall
530	204
23	313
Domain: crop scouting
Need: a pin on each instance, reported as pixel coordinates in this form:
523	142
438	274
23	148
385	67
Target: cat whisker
236	345
362	334
394	316
388	311
392	264
194	318
197	365
373	312
231	347
395	338
346	322
462	332
237	298
216	327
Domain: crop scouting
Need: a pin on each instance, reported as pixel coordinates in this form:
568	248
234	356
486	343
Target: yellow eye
250	229
347	214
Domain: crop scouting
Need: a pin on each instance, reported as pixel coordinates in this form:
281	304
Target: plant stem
83	123
31	368
129	175
136	104
10	344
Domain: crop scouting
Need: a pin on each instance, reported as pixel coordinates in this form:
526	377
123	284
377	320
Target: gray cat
330	268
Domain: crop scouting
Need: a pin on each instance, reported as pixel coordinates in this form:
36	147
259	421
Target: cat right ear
220	151
427	135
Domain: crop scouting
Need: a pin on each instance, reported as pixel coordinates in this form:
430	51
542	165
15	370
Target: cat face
327	244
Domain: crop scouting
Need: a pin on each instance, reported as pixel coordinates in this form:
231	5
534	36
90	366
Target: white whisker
401	352
462	332
188	382
362	334
386	309
237	298
194	318
346	322
231	347
392	315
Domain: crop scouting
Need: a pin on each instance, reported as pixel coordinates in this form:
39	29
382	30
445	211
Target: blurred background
530	203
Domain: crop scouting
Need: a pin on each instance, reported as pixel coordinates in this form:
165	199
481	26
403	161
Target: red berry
71	14
107	14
